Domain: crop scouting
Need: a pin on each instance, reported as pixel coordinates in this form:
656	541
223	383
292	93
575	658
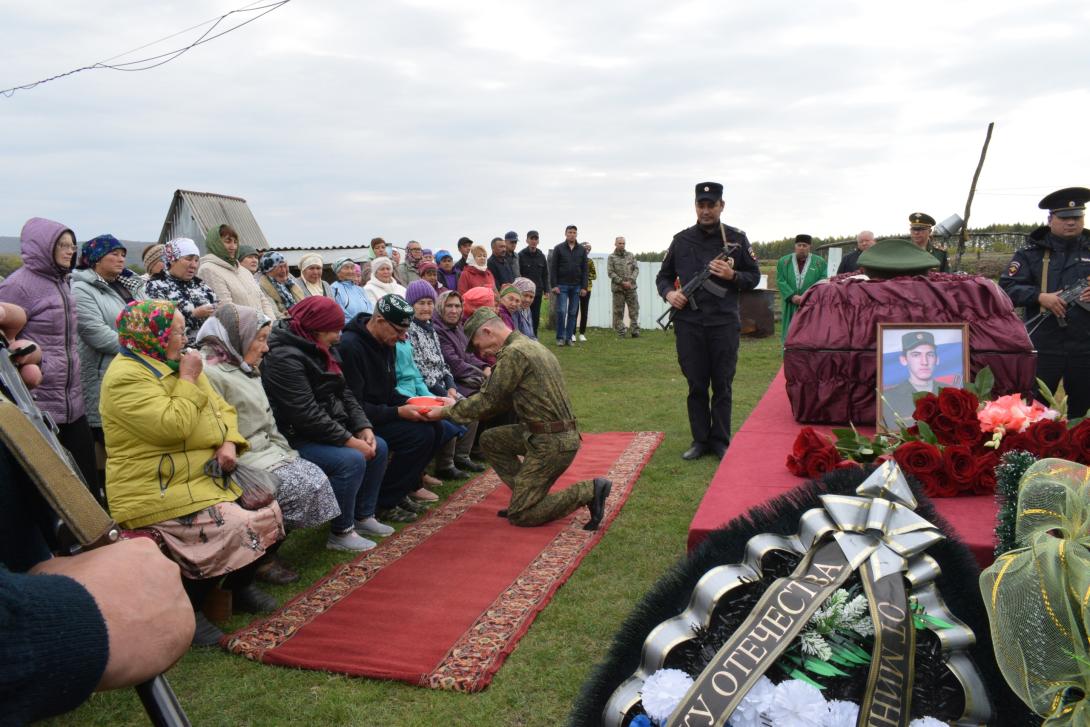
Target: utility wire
146	64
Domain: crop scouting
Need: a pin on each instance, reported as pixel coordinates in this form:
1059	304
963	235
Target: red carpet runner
754	471
444	601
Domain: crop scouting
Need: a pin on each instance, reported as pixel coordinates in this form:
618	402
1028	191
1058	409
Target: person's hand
367	449
1085	296
1052	303
721	269
448	400
677	299
227	456
453	394
487	371
434	414
796	299
149	619
556	291
190	365
582	292
204	311
410	413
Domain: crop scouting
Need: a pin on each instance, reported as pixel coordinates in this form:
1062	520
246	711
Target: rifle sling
62	489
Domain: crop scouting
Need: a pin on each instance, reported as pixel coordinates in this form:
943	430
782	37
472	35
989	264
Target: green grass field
616	385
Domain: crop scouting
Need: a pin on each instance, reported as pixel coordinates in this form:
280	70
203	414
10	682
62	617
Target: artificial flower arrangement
957	440
835	644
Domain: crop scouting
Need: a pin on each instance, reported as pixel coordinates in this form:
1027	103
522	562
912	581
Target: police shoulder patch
1013	267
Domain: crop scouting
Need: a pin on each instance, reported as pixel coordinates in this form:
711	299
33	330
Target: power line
146	64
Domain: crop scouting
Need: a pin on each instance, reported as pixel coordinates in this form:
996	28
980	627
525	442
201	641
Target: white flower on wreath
754	705
841	713
797	704
927	722
663	691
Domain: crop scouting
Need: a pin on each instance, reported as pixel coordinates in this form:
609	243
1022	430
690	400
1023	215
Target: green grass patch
615	385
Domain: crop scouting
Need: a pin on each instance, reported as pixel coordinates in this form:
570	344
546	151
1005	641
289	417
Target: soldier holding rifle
1055	258
707	323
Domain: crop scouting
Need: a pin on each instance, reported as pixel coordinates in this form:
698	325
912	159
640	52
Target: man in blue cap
707	325
1055	257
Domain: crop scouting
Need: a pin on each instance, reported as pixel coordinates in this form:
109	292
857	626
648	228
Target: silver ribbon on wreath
875	532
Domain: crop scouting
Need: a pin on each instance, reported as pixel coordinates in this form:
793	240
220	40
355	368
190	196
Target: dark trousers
535	309
708	356
584	306
1074	369
76	437
198	589
412	445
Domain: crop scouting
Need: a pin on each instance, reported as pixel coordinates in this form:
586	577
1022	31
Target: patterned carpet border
481	650
479	653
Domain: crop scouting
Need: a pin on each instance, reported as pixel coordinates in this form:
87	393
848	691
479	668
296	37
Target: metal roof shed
192	214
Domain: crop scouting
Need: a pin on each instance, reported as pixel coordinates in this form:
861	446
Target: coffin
830	353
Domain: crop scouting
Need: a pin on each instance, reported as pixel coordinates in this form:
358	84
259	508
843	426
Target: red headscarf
314	314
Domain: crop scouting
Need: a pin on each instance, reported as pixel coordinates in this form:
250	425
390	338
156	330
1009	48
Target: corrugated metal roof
207	209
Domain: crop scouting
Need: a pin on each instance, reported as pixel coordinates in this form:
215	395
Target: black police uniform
707	338
1062	352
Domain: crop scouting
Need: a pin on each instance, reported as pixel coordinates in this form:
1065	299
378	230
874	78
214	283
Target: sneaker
206	633
350	541
397	515
582	338
407	503
636	333
424	495
373	527
452	473
561	342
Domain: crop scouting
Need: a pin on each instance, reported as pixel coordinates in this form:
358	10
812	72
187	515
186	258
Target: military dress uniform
1063	351
527	378
922	218
707	338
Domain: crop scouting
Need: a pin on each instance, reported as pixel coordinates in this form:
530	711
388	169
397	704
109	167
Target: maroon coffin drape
830	354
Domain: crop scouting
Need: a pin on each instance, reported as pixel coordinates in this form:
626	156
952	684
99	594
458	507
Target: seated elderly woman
277	283
469	372
310	270
348	293
178	283
233	342
427	354
323	421
382	280
169	439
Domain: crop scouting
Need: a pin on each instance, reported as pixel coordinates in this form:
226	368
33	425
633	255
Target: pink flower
1008	413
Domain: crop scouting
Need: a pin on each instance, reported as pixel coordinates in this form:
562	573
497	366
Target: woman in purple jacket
469	371
43	289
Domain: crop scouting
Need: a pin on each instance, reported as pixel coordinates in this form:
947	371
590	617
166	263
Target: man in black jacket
367	354
501	263
568	272
707	332
534	266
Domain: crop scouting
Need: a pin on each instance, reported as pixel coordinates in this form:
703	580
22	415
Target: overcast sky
427	119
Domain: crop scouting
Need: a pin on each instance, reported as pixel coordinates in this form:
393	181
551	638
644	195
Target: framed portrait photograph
916	357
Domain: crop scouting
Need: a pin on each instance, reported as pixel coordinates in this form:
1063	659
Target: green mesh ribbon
1037	595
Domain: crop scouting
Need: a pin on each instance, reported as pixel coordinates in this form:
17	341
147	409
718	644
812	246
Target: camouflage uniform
624	268
527	378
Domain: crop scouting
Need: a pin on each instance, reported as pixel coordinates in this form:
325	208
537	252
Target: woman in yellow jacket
163	423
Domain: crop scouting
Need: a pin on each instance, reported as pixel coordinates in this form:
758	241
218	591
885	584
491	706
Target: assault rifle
700	280
1068	295
31	436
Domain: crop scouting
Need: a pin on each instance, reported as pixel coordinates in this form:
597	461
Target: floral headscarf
178	248
144	327
269	261
95	249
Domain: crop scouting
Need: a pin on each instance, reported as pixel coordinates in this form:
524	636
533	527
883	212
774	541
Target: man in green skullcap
526	379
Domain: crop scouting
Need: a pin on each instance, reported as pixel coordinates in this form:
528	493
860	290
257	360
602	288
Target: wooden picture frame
938	353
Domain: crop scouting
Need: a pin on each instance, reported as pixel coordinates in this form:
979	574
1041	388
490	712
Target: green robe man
795	273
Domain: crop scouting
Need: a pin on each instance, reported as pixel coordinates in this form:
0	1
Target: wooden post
964	236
